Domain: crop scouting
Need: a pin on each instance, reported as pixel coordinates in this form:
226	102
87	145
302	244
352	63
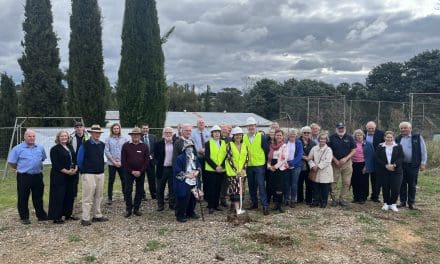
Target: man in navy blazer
375	137
150	140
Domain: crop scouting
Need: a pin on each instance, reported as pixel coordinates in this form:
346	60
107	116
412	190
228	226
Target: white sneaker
394	208
385	207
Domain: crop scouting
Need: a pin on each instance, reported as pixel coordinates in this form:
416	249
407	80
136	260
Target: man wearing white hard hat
256	144
214	168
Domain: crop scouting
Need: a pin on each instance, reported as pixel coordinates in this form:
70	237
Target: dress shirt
113	148
29	159
369	138
168	161
196	136
407	149
291	147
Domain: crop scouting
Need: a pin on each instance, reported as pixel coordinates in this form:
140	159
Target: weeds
153	245
89	258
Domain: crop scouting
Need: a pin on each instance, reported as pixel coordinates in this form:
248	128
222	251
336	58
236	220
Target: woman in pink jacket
277	168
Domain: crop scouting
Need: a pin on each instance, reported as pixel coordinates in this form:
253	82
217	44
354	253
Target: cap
340	125
78	124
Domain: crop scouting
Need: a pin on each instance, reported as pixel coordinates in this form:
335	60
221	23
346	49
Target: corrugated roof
211	118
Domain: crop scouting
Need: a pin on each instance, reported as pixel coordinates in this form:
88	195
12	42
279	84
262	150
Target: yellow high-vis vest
216	154
256	152
238	159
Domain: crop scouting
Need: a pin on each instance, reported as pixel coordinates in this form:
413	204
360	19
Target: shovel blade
240	211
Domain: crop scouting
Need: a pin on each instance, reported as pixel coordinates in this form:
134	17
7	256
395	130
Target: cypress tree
86	80
141	85
42	91
8	111
8	101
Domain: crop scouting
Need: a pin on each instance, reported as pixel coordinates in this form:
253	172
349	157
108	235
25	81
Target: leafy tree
42	91
230	100
8	101
423	72
182	97
263	98
141	87
87	92
387	82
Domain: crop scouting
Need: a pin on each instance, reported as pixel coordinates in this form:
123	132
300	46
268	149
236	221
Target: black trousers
129	180
391	182
321	190
27	183
111	180
224	188
75	184
408	187
359	182
213	186
151	178
276	182
375	186
61	197
161	182
185	205
304	178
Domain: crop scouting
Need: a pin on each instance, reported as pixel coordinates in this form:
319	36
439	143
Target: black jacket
378	137
396	158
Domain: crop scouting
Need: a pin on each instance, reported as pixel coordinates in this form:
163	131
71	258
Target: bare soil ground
353	234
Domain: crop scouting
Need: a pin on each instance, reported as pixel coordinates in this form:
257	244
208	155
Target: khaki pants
92	189
343	172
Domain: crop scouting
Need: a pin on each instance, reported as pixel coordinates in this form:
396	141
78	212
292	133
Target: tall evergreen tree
87	93
42	91
8	101
141	87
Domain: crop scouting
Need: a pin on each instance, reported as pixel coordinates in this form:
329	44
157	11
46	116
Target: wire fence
422	110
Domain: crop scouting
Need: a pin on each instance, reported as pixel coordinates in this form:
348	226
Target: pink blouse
359	155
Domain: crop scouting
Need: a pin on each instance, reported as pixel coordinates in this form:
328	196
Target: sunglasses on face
306	132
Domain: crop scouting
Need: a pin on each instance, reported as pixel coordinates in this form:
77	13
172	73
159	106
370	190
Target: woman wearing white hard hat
215	153
235	165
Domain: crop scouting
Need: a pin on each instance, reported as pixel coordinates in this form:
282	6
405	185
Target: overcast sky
221	42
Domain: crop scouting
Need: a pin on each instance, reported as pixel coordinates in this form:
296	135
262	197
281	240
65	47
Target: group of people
283	168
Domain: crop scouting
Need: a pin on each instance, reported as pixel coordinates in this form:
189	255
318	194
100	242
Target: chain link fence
423	111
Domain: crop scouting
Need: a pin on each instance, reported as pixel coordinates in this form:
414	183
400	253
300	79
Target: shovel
240	210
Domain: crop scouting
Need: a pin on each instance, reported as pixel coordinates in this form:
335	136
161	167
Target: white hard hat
236	130
250	121
216	128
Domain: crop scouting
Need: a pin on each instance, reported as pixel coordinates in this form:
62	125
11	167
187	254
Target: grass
74	238
386	250
238	246
162	231
369	241
89	258
154	245
8	188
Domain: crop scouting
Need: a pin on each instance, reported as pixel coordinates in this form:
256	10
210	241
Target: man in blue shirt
27	158
414	159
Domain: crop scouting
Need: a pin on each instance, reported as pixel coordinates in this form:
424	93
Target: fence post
378	114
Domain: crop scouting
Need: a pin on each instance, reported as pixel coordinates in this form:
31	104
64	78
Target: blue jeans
255	175
291	184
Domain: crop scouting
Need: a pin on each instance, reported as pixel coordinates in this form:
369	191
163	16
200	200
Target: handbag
313	174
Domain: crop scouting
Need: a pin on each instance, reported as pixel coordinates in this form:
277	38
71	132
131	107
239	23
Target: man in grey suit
150	141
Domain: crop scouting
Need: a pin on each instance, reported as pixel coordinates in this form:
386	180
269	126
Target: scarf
274	147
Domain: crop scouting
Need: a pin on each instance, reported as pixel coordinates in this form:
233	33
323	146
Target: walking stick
200	199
